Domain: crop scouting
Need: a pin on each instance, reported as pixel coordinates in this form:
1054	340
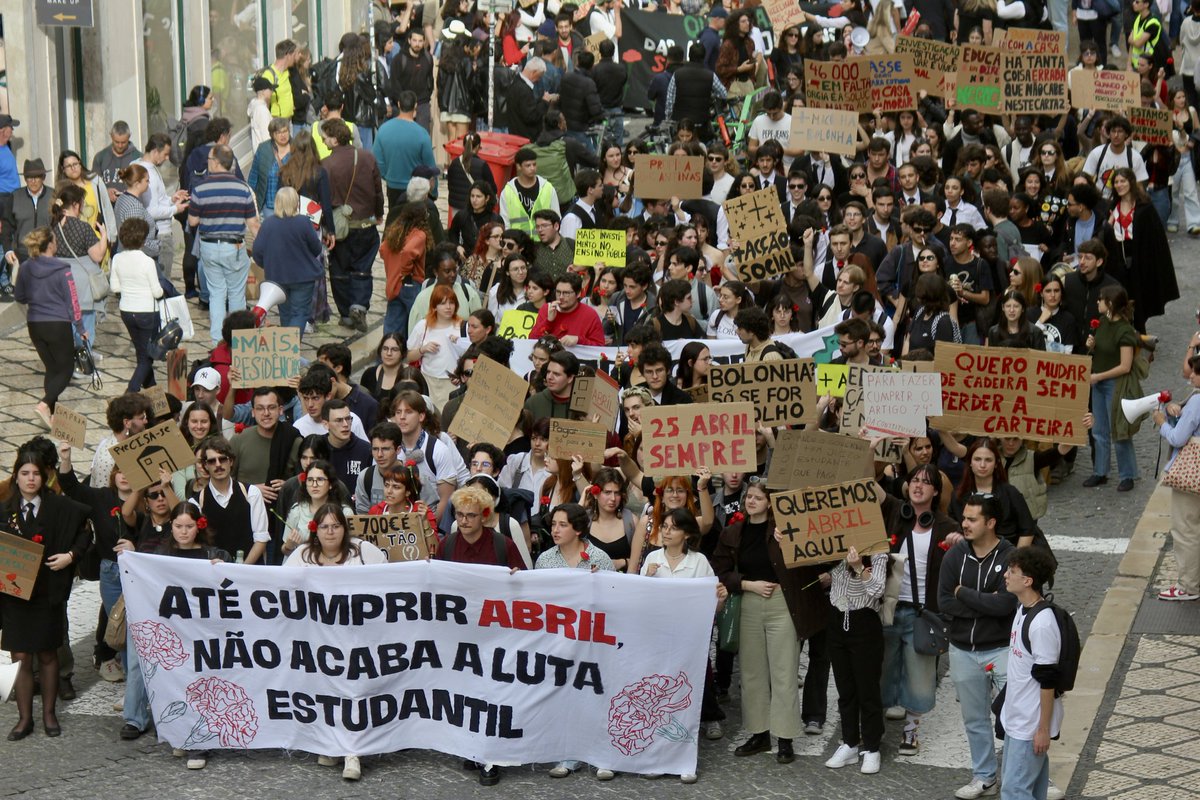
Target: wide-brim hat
455	29
34	168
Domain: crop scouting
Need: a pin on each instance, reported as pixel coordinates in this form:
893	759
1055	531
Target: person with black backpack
1039	670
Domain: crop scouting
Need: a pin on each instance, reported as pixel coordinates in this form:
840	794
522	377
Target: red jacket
581	321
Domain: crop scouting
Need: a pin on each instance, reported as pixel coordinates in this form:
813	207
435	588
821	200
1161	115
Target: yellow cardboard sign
599	246
831	380
517	324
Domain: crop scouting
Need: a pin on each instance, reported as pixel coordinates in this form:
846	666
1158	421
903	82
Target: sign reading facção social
782	392
265	356
756	222
822	523
678	440
996	391
663	177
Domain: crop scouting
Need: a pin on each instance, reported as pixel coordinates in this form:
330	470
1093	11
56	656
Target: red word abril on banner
679	440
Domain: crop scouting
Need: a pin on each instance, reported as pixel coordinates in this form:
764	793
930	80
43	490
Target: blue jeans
137	699
614	124
1161	200
89	324
909	678
395	320
110	589
295	310
974	685
367	135
1026	776
141	326
226	266
1102	400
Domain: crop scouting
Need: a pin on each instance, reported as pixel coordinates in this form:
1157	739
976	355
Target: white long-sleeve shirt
158	200
134	276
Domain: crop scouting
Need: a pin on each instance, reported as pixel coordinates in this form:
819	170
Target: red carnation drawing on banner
157	646
227	713
645	708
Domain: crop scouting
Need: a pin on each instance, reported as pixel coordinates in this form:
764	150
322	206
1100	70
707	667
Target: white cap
208	378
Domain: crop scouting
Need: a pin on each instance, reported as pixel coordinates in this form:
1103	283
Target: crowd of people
949	226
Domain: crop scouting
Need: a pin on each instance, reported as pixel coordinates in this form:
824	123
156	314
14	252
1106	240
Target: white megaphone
270	294
8	680
1134	409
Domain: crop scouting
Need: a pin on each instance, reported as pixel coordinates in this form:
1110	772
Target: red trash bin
499	150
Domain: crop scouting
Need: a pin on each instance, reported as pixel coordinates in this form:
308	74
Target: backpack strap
447	551
500	544
1037	608
629	523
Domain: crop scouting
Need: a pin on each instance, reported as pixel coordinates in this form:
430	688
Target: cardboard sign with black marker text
822	523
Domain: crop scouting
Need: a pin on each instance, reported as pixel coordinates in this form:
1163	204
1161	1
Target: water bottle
241	557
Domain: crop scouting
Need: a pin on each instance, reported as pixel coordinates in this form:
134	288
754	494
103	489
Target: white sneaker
895	712
1116	51
352	771
844	756
197	762
1054	793
689	778
870	763
605	774
977	788
111	671
178	753
327	761
560	770
711	730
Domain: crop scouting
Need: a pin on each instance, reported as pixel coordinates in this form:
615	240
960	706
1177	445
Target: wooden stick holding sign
664	177
68	426
599	246
143	457
822	523
20	561
571	437
265	356
756	222
404	537
678	440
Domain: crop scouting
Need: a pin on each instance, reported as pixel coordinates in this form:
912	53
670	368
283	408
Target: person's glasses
799	187
213	461
674	490
843	343
874	342
495	236
467	373
564	292
1014	271
466	515
791	35
389	349
72	165
858	176
316	479
927	258
919	229
265	409
1050	152
824	198
155	495
508	244
661	243
481	465
329	527
716	158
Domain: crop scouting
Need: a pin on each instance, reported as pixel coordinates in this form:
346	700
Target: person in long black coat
1138	253
34	625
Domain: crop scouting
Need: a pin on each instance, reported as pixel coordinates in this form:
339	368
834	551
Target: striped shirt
223	202
849	593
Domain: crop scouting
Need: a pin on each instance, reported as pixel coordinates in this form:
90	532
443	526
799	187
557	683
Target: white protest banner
897	403
599	246
536	666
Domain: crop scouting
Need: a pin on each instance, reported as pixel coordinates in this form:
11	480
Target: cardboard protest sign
756	222
68	426
570	437
824	130
144	456
596	395
517	324
815	458
934	64
599	245
831	380
177	373
979	83
822	523
891	83
853	399
1151	125
783	14
20	560
897	403
592	44
157	396
1105	90
782	392
266	356
1032	40
699	393
1004	392
678	440
843	85
494	399
1035	83
404	537
664	177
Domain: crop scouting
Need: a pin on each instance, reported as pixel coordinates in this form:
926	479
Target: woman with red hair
674	491
436	339
483	267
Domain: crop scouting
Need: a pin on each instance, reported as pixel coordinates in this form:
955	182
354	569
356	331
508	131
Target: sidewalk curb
1109	634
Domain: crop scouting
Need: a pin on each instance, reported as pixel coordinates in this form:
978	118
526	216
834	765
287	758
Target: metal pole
491	66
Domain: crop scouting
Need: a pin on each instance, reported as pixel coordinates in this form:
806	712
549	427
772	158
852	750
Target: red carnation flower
1170	61
37	538
603	356
312	526
737	517
595	490
487	512
1095	323
990	667
410	463
238	428
658	490
429	515
303	477
795	307
202	523
115	512
893	540
944	545
1037	288
602	292
1164	396
545	500
1012	261
584	554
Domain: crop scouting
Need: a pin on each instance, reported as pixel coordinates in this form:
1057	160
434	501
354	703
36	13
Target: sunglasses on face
858	176
920	229
1049	152
215	460
1014	271
927	258
155	495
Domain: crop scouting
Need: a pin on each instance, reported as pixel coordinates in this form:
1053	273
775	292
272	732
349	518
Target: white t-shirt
442	363
307	426
497	308
693	565
447	467
1022	702
720	189
367	554
920	541
723	329
1112	161
764	128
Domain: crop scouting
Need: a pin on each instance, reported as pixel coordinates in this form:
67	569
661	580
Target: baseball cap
719	12
8	122
207	378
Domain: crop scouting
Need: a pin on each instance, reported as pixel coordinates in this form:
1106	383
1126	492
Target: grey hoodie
45	285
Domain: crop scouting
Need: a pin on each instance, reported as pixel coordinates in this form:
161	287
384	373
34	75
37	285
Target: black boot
758	743
784	754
